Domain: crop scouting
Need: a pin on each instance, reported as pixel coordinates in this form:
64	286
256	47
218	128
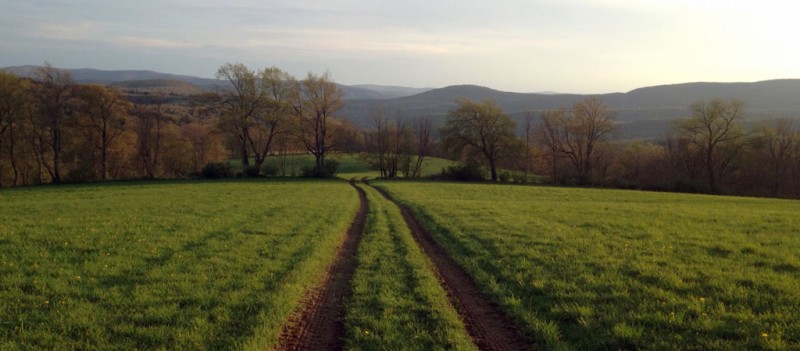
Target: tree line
713	150
53	130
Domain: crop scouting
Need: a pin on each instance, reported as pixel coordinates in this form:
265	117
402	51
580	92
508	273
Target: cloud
158	43
82	30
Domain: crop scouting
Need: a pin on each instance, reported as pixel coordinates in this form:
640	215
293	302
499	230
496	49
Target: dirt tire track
320	325
488	326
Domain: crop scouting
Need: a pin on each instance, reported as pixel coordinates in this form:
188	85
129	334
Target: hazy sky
576	46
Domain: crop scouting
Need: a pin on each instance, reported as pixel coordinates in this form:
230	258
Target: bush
217	170
269	169
328	170
504	176
252	171
80	174
467	173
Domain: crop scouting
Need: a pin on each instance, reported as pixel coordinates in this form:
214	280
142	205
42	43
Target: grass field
163	265
584	269
397	302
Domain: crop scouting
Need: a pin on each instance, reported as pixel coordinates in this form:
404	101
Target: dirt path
489	327
319	326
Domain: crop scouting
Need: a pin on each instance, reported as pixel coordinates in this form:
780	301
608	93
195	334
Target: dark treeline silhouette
53	130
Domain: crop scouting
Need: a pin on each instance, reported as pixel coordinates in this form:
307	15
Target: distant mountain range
643	113
163	81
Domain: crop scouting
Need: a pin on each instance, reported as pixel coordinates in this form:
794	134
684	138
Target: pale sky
571	46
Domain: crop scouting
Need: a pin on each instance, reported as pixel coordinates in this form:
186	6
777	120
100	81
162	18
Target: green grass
163	265
587	269
397	302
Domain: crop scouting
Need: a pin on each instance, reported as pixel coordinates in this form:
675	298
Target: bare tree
53	94
774	146
103	115
479	130
714	128
15	103
528	134
550	134
423	141
316	105
150	121
590	123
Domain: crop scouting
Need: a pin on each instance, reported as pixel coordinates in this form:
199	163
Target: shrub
217	170
466	172
252	171
329	169
269	169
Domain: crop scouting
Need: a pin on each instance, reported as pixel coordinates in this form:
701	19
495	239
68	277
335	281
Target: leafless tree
53	94
714	128
316	105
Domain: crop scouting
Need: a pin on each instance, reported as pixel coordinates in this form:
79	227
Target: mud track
319	325
488	326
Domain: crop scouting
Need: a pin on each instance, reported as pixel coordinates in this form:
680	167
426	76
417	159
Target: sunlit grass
592	269
163	265
397	302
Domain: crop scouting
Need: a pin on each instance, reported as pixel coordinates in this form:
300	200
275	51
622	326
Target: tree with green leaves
479	130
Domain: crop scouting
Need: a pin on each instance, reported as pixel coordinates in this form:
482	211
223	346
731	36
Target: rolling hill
642	113
164	81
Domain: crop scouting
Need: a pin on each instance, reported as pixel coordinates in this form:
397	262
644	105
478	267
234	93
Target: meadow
163	265
587	269
397	302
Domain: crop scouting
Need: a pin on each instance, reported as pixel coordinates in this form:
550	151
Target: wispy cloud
81	30
158	43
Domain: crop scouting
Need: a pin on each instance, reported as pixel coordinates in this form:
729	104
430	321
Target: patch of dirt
319	325
488	326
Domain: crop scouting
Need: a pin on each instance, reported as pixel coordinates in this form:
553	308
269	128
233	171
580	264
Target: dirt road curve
320	325
489	327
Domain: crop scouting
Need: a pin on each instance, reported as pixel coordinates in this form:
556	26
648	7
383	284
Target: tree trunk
712	178
493	169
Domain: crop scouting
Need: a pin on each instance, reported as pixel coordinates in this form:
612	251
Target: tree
549	134
104	113
479	130
15	103
254	105
53	95
590	123
316	105
714	128
150	122
423	140
278	87
528	137
774	146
